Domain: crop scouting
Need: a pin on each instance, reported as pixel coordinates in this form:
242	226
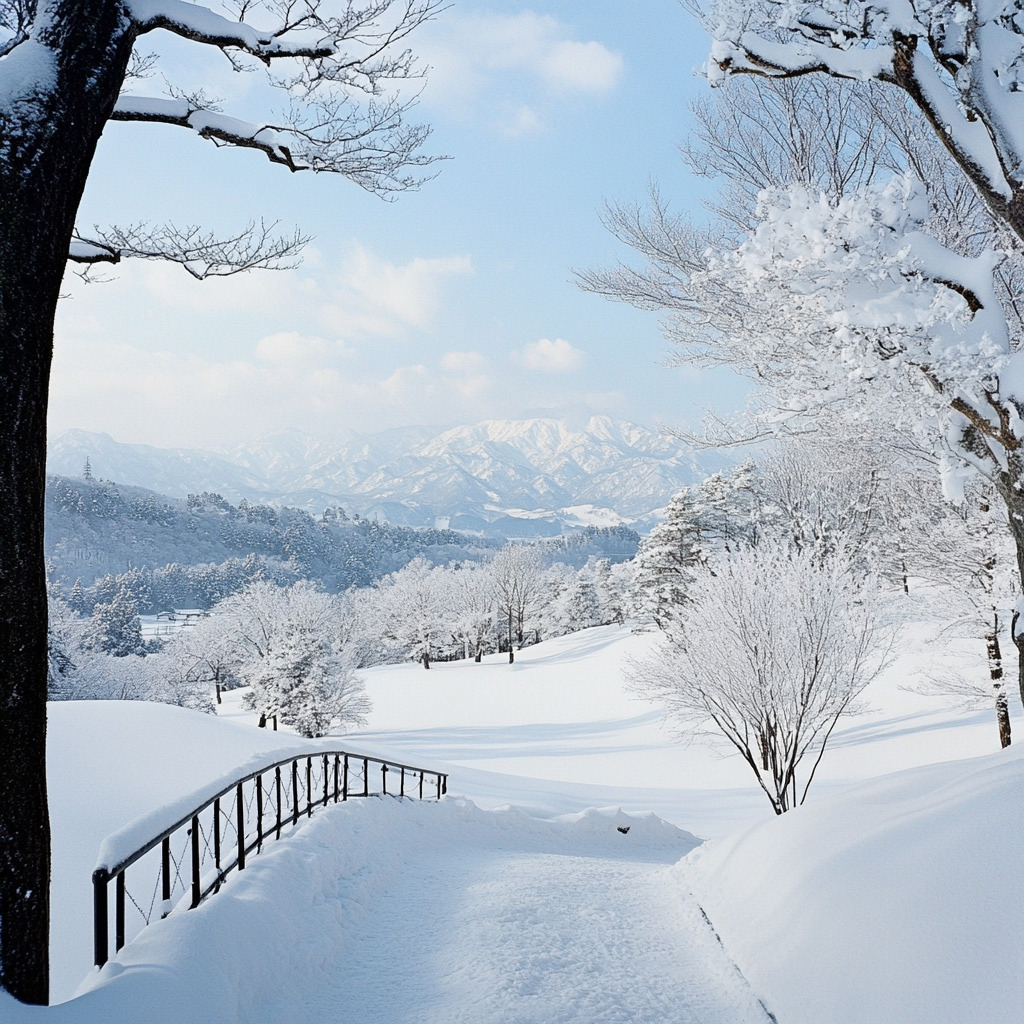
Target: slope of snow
894	901
513	900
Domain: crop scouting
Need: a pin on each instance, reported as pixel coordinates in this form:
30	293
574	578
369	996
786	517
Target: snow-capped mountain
511	477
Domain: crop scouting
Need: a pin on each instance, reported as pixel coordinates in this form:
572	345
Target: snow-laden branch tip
960	63
202	253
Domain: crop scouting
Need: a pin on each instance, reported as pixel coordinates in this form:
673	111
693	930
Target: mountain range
512	478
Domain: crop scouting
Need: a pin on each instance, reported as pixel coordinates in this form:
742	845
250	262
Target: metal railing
193	857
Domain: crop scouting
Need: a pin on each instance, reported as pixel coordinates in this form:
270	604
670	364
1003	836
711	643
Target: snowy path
388	912
494	938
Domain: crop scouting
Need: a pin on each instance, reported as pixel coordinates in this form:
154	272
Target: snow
519	898
895	905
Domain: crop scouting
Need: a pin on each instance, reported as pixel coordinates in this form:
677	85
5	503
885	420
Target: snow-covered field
888	898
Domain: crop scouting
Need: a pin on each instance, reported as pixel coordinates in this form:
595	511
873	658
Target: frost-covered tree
64	66
305	679
115	628
415	608
667	561
518	583
287	648
720	513
964	555
770	650
204	654
471	604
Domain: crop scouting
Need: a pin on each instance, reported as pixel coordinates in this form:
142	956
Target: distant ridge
502	477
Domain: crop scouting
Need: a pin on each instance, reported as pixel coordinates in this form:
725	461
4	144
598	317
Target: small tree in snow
307	682
769	652
289	651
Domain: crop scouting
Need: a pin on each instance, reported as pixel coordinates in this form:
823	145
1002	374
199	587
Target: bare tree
518	583
770	651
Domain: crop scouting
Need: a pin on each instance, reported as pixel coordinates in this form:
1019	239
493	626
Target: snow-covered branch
959	61
201	253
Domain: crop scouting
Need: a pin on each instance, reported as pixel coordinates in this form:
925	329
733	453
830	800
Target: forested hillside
103	537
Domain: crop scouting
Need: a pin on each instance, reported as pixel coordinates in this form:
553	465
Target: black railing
199	850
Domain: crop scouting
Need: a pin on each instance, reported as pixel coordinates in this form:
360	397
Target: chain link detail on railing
194	856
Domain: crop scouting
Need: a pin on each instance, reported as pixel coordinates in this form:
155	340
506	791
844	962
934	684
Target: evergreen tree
115	628
667	560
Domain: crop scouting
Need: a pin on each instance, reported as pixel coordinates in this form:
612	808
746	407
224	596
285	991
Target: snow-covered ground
885	899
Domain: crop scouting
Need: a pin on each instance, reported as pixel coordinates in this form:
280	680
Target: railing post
366	776
401	791
326	777
100	924
165	874
337	771
240	825
119	913
295	791
439	786
259	811
344	784
197	885
309	787
421	785
277	788
216	833
444	785
384	779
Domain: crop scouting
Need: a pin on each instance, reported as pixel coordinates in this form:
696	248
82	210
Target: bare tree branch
202	253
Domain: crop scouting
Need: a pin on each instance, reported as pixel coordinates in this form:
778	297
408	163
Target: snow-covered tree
288	650
667	561
64	65
414	607
305	679
204	653
519	588
965	555
115	628
770	650
471	605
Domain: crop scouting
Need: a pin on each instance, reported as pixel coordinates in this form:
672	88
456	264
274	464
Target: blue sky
454	303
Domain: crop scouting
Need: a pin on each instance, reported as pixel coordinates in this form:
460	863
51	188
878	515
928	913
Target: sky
453	304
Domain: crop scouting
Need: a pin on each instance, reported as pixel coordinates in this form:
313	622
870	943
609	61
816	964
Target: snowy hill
883	900
509	478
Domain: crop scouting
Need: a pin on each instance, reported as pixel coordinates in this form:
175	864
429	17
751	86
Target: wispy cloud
512	70
373	296
547	356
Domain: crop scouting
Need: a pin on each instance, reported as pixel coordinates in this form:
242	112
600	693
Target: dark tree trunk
995	670
1010	484
47	140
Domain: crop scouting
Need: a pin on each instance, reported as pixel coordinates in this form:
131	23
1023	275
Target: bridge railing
188	861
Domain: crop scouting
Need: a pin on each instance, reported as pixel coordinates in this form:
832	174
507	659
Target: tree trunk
1010	484
48	135
995	671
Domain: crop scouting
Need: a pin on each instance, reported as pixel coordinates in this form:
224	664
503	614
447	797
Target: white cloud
512	65
582	67
547	356
523	120
373	296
